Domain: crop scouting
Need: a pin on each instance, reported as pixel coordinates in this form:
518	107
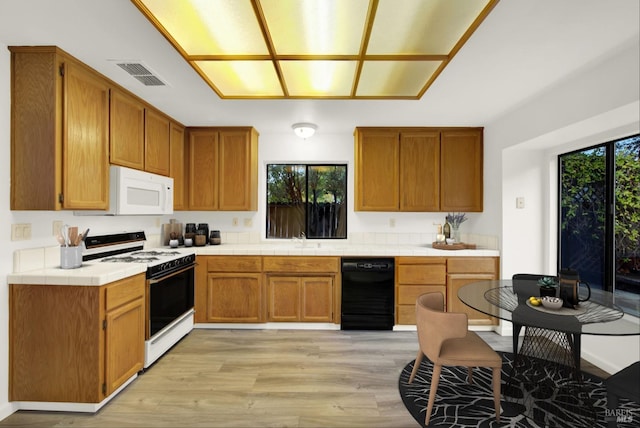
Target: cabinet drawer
407	294
421	274
124	291
417	260
295	264
234	264
472	265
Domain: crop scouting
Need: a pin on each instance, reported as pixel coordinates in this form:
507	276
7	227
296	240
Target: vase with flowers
455	220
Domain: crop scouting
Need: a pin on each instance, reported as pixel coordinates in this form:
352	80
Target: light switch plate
520	202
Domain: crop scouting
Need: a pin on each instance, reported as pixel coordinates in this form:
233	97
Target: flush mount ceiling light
304	130
338	49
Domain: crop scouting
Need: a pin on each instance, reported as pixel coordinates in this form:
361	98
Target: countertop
95	273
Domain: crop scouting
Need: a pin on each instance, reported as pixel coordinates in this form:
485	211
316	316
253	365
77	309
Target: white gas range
169	296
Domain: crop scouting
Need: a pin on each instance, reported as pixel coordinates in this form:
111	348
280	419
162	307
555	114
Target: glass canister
200	238
214	238
204	227
190	231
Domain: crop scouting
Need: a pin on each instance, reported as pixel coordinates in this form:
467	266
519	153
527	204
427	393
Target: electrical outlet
57	226
20	231
392	222
234	222
248	222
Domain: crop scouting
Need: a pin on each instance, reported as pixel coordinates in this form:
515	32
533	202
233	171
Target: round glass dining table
552	338
509	301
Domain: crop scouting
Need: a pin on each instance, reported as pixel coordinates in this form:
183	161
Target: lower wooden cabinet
75	344
295	298
302	289
465	270
234	297
257	289
416	276
229	289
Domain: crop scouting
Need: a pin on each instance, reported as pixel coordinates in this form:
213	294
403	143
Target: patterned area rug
526	401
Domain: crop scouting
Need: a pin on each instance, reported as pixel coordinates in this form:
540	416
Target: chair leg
435	378
496	391
470	374
416	365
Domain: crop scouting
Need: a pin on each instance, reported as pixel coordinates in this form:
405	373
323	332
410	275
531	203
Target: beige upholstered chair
445	339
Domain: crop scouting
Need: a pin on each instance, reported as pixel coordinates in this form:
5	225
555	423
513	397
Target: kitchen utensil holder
71	257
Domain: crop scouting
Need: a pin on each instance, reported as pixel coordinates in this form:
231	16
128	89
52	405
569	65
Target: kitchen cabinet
177	166
416	276
75	344
418	169
296	298
461	177
223	169
126	136
376	170
60	132
465	270
232	291
302	289
156	142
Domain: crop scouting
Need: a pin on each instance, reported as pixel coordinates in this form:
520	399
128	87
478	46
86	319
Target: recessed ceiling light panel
384	49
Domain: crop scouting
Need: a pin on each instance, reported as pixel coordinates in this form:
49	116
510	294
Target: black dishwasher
367	293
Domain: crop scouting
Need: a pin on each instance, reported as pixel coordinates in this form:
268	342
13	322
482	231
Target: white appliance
133	192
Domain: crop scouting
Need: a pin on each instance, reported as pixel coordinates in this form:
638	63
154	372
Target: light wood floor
264	378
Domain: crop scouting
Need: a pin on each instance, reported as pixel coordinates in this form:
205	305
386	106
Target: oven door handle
178	272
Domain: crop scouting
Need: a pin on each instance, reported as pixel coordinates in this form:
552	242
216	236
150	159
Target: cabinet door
457	280
124	347
419	171
376	170
85	143
461	175
156	142
203	170
316	295
126	136
176	167
234	297
238	174
283	298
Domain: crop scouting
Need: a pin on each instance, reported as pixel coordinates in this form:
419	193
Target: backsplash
46	257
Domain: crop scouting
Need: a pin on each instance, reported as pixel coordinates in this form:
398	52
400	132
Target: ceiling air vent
142	73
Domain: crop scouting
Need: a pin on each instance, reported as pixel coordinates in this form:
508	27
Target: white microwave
133	192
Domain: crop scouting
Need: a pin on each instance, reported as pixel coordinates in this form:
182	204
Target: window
306	199
600	216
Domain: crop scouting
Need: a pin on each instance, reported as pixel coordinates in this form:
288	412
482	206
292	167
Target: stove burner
130	259
155	253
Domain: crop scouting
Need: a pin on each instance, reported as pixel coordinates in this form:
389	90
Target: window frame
308	165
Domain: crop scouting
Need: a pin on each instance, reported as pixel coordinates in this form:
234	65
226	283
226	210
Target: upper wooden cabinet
177	166
126	137
156	142
223	169
60	132
376	169
461	170
418	169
